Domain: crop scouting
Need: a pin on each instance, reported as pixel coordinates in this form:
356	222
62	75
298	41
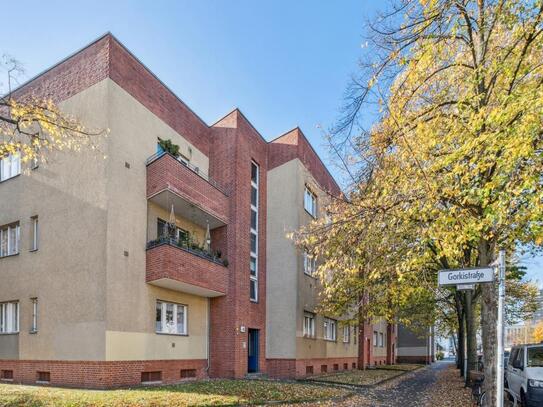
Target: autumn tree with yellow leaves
32	126
451	171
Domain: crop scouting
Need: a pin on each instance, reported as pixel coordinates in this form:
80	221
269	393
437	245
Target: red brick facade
169	262
231	145
101	374
167	173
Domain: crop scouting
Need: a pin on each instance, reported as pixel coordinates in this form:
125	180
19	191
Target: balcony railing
190	166
192	248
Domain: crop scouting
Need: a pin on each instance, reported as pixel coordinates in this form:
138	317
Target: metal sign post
501	302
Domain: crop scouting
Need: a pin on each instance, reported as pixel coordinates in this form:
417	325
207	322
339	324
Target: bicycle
477	392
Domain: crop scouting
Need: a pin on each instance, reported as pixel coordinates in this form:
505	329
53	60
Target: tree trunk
489	316
471	333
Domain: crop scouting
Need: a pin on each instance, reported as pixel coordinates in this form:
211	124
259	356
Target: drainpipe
207	337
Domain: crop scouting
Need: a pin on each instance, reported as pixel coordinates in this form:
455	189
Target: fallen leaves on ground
200	393
359	377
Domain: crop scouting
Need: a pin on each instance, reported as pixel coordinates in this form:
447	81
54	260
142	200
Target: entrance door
252	362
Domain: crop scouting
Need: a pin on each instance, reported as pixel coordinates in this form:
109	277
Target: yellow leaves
34	127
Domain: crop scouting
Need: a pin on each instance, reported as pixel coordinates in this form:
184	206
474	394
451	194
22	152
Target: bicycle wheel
482	399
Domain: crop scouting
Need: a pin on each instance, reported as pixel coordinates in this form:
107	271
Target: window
381	340
309	325
9	240
34	233
535	356
375	338
9	317
346	334
43	377
34	326
329	329
6	375
310	202
10	166
187	373
171	318
310	264
253	234
355	333
151	377
181	235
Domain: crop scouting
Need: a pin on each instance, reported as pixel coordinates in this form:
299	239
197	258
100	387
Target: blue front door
252	361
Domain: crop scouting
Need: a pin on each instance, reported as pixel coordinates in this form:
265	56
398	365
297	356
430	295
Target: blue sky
283	63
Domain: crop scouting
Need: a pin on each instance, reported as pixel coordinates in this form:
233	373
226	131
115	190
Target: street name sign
465	287
466	276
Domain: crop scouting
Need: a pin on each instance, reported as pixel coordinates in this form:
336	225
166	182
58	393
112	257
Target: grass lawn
200	393
360	377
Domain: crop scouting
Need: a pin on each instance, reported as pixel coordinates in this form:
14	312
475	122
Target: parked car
524	374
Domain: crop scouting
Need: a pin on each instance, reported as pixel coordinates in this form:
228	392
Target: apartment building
414	346
131	265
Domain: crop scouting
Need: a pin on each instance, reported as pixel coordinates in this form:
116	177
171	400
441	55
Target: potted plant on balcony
169	147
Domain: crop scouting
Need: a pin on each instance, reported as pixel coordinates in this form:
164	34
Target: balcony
193	194
173	265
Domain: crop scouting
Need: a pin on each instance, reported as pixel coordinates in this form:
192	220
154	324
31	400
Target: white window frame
375	338
330	329
310	202
310	264
34	326
9	317
346	334
171	329
253	278
6	234
309	325
381	340
10	166
35	233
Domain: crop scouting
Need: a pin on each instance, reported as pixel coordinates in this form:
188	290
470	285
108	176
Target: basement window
151	377
6	375
188	373
43	377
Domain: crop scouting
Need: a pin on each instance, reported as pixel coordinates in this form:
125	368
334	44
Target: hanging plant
169	147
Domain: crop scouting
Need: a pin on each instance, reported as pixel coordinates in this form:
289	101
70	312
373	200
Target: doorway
253	351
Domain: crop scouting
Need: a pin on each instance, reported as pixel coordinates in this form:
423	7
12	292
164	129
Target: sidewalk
435	385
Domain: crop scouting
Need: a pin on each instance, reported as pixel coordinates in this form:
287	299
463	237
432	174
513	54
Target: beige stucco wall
68	272
94	303
282	262
291	292
380	326
131	302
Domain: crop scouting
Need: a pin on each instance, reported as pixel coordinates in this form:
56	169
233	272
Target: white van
524	374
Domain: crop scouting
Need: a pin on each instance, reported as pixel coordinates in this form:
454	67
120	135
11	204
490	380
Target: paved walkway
412	389
432	386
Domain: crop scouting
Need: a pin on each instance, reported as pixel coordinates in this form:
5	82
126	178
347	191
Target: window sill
33	250
310	275
310	214
32	332
9	255
253	301
9	333
170	334
330	340
7	179
313	338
